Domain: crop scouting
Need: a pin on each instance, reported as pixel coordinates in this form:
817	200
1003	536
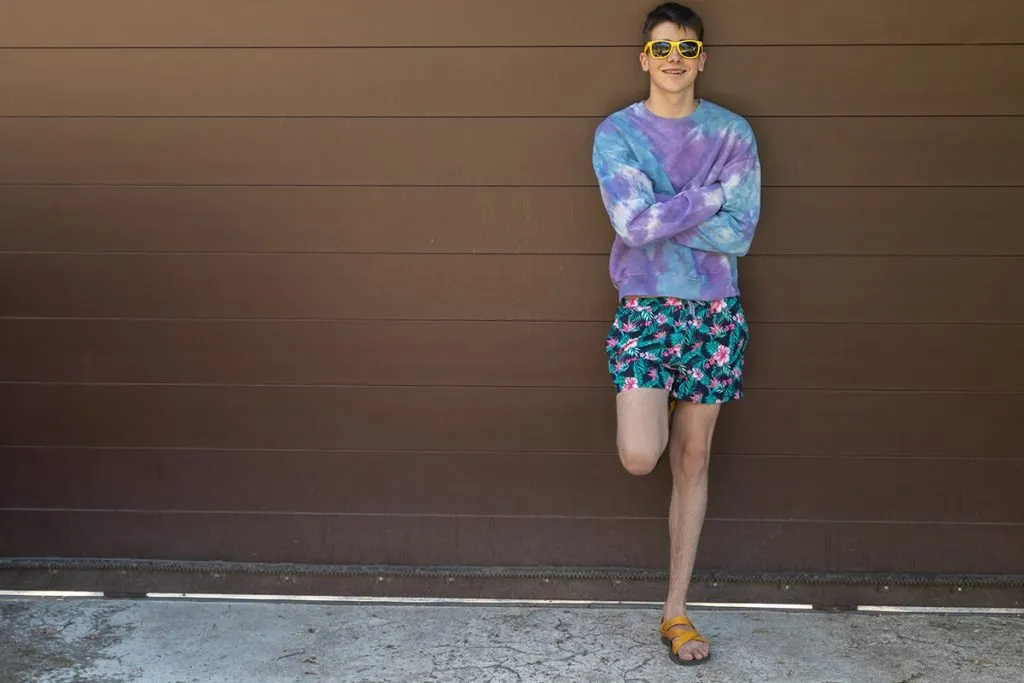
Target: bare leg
642	428
693	427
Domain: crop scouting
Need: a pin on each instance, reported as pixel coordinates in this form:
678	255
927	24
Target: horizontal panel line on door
488	46
521	252
560	387
610	518
448	186
596	119
478	320
426	452
483	321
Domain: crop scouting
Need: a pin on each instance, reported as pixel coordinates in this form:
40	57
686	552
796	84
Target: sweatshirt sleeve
637	215
731	230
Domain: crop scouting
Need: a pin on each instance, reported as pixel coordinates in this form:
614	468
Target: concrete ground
92	640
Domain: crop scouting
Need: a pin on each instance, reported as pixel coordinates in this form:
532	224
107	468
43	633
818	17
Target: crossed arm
719	217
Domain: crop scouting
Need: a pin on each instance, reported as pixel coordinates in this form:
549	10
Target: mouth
674	72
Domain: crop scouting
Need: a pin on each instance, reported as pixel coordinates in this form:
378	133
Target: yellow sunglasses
661	49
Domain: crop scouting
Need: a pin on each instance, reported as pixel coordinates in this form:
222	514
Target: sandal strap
680	639
683	639
675	622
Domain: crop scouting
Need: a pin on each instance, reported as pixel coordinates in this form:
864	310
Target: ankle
673	609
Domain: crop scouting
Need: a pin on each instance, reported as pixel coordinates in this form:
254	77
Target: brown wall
271	291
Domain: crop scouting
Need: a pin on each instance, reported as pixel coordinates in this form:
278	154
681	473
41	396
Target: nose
676	55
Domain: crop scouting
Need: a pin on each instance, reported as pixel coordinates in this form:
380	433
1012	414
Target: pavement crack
462	669
638	667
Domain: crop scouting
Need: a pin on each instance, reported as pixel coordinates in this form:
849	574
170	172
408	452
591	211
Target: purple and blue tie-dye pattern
684	198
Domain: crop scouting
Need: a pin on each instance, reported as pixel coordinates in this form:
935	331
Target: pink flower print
721	356
672	301
630	346
629	327
736	372
652	374
669	383
676	350
697	374
662	318
620	366
716	384
695	347
717	306
715	330
697	397
631	303
659	336
610	343
739	318
629	383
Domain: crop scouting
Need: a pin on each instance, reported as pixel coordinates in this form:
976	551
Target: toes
690	654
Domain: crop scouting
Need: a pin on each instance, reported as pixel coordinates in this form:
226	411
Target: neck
672	105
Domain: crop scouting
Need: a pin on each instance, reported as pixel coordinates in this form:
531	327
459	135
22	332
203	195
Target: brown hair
681	16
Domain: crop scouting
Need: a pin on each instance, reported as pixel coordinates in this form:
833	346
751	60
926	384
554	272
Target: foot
686	644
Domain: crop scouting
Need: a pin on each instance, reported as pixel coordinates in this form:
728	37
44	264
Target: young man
681	181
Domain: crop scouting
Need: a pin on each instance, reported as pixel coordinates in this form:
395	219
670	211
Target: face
674	74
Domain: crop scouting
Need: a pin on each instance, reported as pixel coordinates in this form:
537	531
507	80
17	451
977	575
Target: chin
673	88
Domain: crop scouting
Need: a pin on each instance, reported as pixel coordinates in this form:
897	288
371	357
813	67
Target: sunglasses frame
674	45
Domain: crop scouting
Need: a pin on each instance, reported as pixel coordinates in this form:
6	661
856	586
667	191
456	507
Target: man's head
673	67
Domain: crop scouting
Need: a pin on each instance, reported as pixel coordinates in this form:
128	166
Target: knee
691	461
638	461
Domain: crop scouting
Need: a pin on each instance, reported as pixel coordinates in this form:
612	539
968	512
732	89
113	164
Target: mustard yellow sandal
677	632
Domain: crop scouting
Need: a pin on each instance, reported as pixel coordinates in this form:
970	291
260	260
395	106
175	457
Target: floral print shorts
694	349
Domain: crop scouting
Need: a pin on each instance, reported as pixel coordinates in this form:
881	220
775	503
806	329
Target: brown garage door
318	284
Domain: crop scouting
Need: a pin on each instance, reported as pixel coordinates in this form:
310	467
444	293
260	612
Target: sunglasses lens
661	49
689	49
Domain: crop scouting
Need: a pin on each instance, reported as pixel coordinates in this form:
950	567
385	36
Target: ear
701	60
644	63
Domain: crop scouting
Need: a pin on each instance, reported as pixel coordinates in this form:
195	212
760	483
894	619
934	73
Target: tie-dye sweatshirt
684	197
